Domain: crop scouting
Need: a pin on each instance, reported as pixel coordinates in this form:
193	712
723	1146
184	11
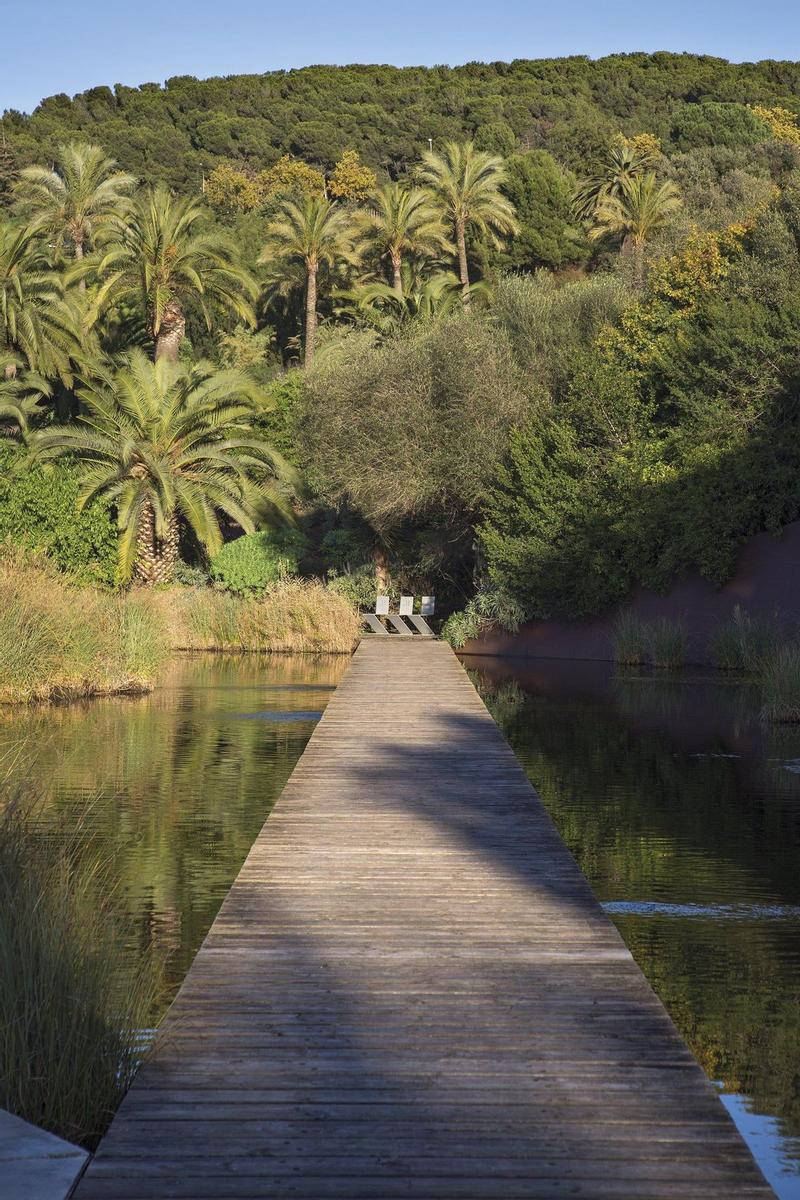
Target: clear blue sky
68	45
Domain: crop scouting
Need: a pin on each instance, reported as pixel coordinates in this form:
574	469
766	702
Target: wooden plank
410	991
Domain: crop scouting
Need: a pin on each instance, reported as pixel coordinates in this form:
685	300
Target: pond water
681	806
177	784
683	810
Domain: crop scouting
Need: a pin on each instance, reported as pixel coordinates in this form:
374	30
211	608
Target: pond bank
62	641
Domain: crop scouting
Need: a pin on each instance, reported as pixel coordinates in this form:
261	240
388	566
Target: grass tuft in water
631	640
72	1003
745	643
667	644
781	684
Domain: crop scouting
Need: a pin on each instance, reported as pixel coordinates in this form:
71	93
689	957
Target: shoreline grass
60	640
781	685
74	1005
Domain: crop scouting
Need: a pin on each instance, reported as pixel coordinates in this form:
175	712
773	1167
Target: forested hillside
570	107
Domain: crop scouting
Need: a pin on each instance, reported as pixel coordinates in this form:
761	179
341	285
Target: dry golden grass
294	617
59	640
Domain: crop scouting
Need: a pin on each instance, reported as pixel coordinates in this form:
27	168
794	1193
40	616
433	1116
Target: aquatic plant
667	643
781	684
74	1006
744	643
630	640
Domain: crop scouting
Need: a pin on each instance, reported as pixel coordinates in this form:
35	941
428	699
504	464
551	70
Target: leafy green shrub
359	586
744	643
39	510
782	685
252	562
488	609
188	576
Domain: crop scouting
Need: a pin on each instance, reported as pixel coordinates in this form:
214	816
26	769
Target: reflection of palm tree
642	208
467	183
309	232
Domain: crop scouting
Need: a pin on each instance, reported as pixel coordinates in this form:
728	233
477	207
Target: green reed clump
60	640
745	643
631	640
661	643
667	644
73	1006
781	684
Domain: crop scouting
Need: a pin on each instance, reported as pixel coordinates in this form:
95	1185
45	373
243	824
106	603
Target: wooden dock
410	991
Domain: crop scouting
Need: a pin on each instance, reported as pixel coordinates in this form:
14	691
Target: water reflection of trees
178	783
629	771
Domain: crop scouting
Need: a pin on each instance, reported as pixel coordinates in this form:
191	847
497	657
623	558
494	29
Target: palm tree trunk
78	240
463	269
381	568
155	557
398	278
637	249
170	333
311	314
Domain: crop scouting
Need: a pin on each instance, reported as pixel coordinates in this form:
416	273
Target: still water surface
682	808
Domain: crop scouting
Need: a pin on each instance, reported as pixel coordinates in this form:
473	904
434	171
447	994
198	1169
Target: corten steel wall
766	584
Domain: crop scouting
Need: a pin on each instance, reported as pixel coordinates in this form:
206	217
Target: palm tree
37	320
20	395
167	443
403	220
309	232
642	208
468	184
161	257
384	307
76	201
622	162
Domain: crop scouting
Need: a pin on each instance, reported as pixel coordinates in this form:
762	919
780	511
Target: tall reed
630	640
745	643
781	684
74	1004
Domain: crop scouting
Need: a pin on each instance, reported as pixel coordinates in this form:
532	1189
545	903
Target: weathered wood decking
410	991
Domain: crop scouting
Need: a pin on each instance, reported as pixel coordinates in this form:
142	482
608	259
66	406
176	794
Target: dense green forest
569	106
522	334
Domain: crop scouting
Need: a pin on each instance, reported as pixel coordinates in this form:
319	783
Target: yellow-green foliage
675	287
781	122
60	640
293	616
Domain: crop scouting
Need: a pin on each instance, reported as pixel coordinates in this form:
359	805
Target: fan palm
622	162
161	257
403	220
467	183
642	208
78	199
167	444
309	232
37	320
